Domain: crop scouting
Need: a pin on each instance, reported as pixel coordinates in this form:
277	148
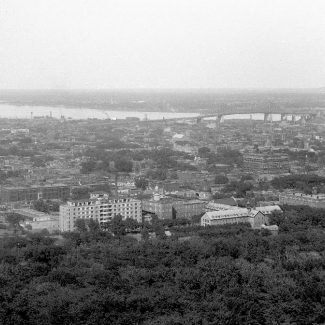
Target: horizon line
167	89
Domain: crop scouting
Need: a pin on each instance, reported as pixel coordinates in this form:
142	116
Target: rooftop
231	213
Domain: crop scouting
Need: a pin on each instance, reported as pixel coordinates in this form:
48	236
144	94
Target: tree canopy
227	274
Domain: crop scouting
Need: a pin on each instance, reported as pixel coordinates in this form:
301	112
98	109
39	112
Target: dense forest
229	274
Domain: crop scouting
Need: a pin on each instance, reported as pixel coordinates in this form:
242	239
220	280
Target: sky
107	44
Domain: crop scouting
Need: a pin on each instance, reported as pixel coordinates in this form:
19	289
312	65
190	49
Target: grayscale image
162	162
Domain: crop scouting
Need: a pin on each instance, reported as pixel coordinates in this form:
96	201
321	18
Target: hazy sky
162	44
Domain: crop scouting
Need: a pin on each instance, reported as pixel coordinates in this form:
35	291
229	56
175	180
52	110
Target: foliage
228	274
159	174
221	179
165	158
41	206
10	173
239	189
81	192
88	167
203	151
14	219
141	182
123	165
225	156
304	183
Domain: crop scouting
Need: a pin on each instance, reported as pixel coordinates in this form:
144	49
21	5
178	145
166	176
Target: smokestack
116	191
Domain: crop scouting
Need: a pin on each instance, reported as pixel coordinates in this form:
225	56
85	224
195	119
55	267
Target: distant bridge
306	113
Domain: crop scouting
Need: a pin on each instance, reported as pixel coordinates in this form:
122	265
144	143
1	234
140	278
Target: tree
145	234
173	175
247	178
103	187
88	167
221	179
203	151
79	193
38	162
159	174
55	206
118	226
41	206
131	224
276	218
141	182
218	195
14	219
93	225
123	165
80	225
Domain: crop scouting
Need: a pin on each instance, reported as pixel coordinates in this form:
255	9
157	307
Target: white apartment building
99	208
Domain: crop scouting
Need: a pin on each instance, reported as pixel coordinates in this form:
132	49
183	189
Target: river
12	111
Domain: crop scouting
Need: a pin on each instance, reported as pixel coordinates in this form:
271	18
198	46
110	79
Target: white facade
236	215
102	210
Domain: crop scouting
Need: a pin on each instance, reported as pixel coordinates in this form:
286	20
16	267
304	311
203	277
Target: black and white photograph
162	162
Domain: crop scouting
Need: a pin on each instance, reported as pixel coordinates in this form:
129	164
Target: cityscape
210	175
57	170
162	162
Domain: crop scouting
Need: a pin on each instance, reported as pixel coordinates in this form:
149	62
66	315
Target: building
19	131
38	220
267	210
34	192
237	215
266	163
98	207
220	214
168	207
185	146
312	200
212	206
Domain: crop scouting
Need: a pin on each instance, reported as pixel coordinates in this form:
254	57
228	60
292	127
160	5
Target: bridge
305	113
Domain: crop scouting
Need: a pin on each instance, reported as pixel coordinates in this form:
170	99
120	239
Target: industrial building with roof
218	214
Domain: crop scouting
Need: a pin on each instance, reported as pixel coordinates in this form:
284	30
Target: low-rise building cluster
171	168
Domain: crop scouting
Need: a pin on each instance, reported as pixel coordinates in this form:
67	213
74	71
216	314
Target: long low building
256	217
34	192
312	200
38	220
